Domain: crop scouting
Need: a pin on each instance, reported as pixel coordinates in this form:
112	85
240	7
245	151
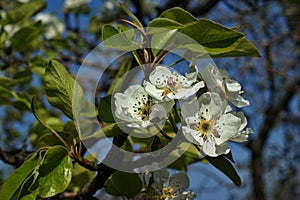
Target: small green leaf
23	77
113	38
109	31
26	37
225	166
7	82
16	178
123	184
38	65
105	110
25	10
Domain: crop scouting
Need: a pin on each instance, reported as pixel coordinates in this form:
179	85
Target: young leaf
15	180
123	184
25	10
225	166
113	38
26	37
55	174
63	92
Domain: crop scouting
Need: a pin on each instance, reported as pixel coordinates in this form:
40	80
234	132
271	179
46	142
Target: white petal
210	75
192	76
159	75
153	91
242	136
230	125
179	182
184	93
189	108
222	149
192	135
160	111
209	147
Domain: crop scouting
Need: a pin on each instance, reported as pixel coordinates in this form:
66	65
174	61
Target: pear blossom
138	109
52	25
218	80
175	190
71	4
166	85
210	123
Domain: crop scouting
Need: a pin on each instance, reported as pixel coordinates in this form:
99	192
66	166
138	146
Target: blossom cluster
208	119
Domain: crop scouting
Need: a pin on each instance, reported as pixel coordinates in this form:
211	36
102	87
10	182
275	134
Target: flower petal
179	182
189	109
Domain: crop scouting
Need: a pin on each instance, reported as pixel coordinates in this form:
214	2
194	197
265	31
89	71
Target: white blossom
210	123
71	4
218	80
138	109
175	190
53	26
166	85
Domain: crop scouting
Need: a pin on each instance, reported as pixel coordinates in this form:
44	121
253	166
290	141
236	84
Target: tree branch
104	172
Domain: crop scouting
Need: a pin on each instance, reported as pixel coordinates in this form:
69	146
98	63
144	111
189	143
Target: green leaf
240	47
16	178
123	69
192	155
55	174
26	37
179	15
25	11
49	139
161	40
105	110
206	31
225	166
109	31
123	184
107	131
164	23
7	82
38	65
61	90
22	101
23	77
113	38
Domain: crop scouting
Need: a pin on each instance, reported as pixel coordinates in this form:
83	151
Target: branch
104	172
15	158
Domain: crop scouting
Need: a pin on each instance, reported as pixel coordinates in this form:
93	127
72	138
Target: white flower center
142	106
